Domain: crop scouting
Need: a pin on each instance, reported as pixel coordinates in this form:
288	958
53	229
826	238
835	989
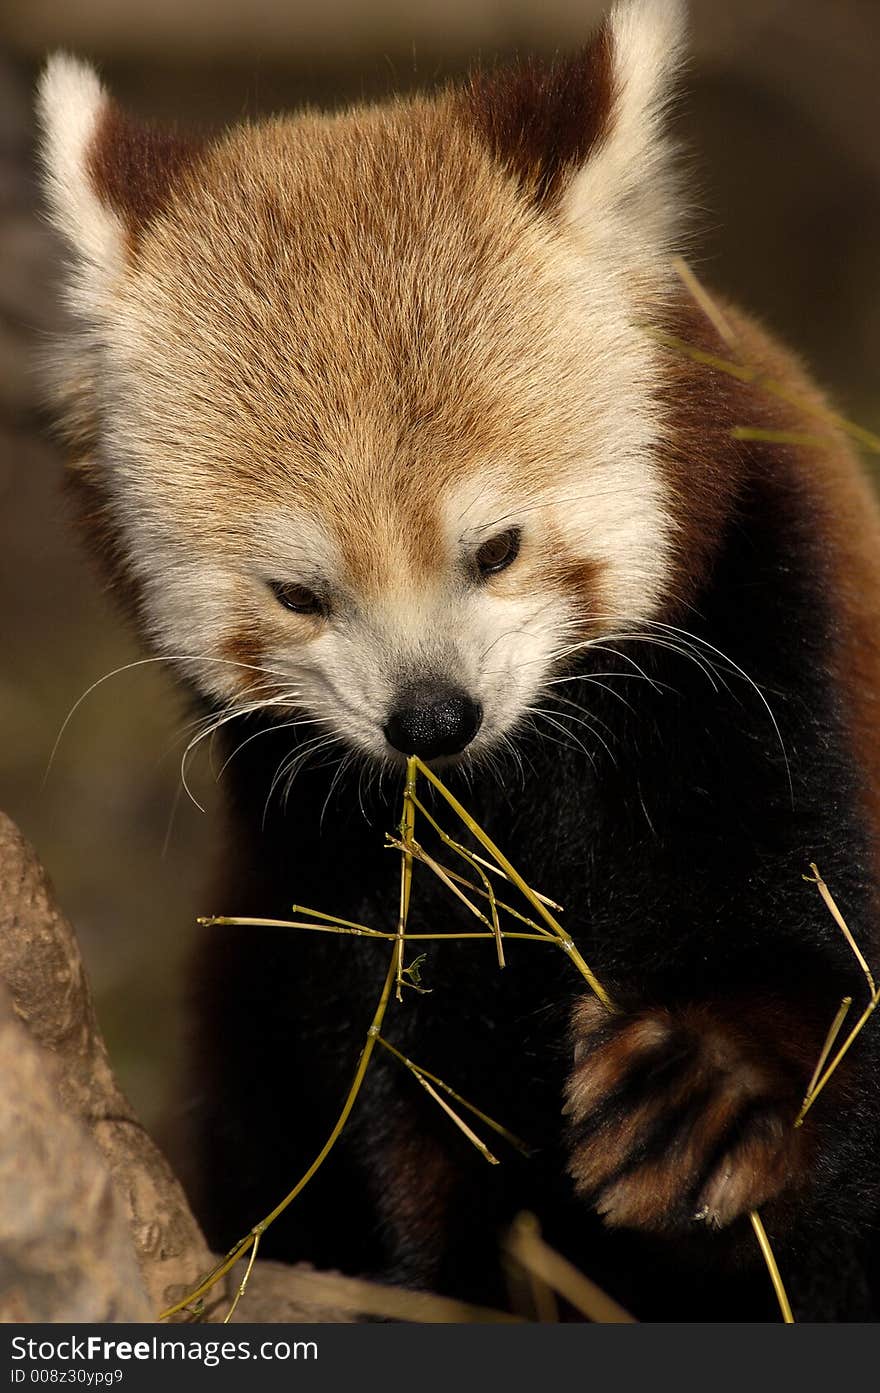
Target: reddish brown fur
705	465
583	581
244	645
844	505
420	1180
541	121
136	167
734	1065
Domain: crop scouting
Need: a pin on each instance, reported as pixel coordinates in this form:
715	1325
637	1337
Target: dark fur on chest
678	852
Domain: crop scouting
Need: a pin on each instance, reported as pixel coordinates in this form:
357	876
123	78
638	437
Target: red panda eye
499	552
297	598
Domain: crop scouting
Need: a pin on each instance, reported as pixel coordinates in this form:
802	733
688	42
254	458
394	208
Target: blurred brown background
782	115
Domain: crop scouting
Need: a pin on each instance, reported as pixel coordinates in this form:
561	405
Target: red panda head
370	407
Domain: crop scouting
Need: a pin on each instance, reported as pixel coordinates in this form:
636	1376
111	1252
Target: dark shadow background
782	117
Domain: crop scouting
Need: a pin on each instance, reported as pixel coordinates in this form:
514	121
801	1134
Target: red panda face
374	421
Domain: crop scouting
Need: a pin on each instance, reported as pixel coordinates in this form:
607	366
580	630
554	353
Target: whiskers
275	693
291	763
560	713
569	740
718	668
206	730
142	663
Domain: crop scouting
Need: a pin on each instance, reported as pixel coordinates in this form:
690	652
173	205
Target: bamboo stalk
526	1246
242	1286
407	827
780	437
441	936
833	1032
441	1083
513	875
700	295
746	373
841	923
772	1268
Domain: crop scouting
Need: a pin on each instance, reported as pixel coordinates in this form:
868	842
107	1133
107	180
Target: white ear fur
70	103
623	191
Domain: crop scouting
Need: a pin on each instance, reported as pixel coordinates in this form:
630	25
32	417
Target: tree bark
94	1226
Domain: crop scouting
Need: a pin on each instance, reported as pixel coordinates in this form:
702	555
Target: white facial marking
291	544
514	625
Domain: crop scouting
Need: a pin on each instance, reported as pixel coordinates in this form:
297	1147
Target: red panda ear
584	136
541	120
105	174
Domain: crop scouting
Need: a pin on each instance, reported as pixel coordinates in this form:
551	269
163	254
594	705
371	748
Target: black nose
431	720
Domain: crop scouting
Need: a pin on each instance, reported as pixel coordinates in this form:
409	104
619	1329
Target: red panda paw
675	1117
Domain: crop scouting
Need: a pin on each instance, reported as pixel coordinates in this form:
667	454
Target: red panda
379	421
